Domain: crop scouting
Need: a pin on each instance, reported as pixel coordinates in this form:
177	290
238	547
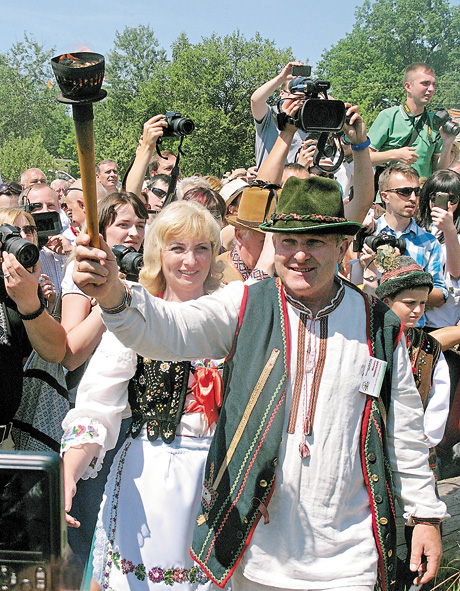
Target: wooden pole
84	129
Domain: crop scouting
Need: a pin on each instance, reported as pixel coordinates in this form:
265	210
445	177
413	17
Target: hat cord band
313	217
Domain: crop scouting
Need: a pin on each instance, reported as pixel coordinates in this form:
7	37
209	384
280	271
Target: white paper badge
373	374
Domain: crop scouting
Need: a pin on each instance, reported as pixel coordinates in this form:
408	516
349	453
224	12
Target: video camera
33	531
129	261
10	239
374	241
443	118
318	113
48	222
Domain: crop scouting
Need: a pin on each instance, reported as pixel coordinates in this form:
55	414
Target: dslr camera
129	261
25	252
375	241
443	118
178	126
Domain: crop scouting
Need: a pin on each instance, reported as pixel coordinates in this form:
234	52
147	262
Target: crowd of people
250	388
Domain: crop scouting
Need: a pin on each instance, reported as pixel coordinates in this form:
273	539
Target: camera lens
26	252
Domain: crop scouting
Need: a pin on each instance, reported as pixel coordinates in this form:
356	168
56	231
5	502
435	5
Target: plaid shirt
423	247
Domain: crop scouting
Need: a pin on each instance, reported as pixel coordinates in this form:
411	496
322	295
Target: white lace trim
83	431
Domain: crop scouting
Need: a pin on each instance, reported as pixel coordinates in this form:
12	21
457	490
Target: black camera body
178	126
129	261
33	531
443	118
375	241
25	252
316	114
48	222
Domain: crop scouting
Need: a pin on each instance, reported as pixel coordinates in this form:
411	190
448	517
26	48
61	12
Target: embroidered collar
327	309
239	264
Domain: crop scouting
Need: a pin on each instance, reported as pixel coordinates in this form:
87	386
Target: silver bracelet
125	303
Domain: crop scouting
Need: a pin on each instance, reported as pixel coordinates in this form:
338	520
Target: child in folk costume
404	287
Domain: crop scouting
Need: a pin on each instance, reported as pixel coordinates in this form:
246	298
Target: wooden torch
80	78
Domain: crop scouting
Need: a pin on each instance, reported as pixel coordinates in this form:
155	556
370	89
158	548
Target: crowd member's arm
46	335
148	325
444	221
84	329
259	97
153	129
439	293
363	176
448	336
408	456
443	160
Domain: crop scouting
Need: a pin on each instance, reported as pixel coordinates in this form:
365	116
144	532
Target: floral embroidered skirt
148	512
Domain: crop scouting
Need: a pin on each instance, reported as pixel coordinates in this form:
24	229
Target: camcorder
48	222
33	531
318	113
129	261
443	118
374	241
11	242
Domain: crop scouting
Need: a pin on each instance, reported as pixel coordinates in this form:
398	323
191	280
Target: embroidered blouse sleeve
102	397
407	448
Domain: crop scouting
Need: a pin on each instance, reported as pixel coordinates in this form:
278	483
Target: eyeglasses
67	190
453	199
158	192
405	191
27	229
10	188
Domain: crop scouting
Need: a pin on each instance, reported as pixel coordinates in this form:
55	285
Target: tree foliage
211	83
367	65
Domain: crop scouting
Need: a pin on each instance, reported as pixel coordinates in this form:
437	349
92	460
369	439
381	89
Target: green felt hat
405	274
310	205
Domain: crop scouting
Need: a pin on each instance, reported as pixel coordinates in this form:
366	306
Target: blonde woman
153	491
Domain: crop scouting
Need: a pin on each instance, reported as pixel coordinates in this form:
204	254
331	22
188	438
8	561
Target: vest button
239	535
375	478
275	462
383	521
371	457
378	499
390	553
263	483
245	519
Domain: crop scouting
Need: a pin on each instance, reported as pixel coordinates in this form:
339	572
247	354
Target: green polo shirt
393	127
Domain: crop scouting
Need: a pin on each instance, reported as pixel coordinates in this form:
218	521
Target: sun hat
255	206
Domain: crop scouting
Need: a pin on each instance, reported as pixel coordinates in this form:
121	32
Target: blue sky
309	27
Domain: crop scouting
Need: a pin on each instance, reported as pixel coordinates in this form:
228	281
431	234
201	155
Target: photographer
54	247
265	115
24	324
407	133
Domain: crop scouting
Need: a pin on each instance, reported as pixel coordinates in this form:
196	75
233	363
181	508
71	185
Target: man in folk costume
321	419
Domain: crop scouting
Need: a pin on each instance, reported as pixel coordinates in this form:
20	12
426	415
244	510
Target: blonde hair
179	219
8	215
